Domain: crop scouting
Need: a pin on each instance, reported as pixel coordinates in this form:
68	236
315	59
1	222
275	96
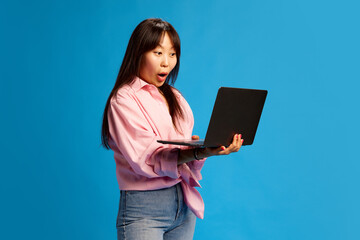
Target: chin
159	84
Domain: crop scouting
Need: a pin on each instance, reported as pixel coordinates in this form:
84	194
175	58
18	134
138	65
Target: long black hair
145	37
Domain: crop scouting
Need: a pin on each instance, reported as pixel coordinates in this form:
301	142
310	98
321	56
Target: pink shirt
138	117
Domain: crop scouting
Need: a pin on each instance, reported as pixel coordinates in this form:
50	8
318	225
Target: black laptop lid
236	110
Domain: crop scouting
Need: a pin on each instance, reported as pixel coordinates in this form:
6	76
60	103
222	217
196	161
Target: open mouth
162	74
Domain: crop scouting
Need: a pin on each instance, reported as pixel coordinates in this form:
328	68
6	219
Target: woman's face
158	63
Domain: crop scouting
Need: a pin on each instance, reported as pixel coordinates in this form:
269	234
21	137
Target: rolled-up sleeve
136	140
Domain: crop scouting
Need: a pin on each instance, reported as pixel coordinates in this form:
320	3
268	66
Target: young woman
158	197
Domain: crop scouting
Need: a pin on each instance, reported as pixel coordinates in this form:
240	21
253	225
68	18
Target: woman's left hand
187	155
233	147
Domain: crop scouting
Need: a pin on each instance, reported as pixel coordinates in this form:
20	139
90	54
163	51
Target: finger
235	138
195	137
218	151
226	150
223	150
240	142
236	144
238	137
233	143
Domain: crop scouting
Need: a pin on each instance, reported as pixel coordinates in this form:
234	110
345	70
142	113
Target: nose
164	61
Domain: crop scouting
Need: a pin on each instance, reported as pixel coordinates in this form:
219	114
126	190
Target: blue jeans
155	215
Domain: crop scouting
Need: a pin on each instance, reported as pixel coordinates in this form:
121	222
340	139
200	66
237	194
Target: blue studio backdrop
300	179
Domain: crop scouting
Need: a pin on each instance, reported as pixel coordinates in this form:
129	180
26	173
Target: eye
157	53
172	54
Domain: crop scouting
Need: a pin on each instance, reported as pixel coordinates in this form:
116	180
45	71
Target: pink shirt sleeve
196	167
136	141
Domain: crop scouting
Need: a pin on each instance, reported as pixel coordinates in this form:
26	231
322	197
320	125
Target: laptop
236	110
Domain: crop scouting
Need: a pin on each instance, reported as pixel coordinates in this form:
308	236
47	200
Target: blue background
300	179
